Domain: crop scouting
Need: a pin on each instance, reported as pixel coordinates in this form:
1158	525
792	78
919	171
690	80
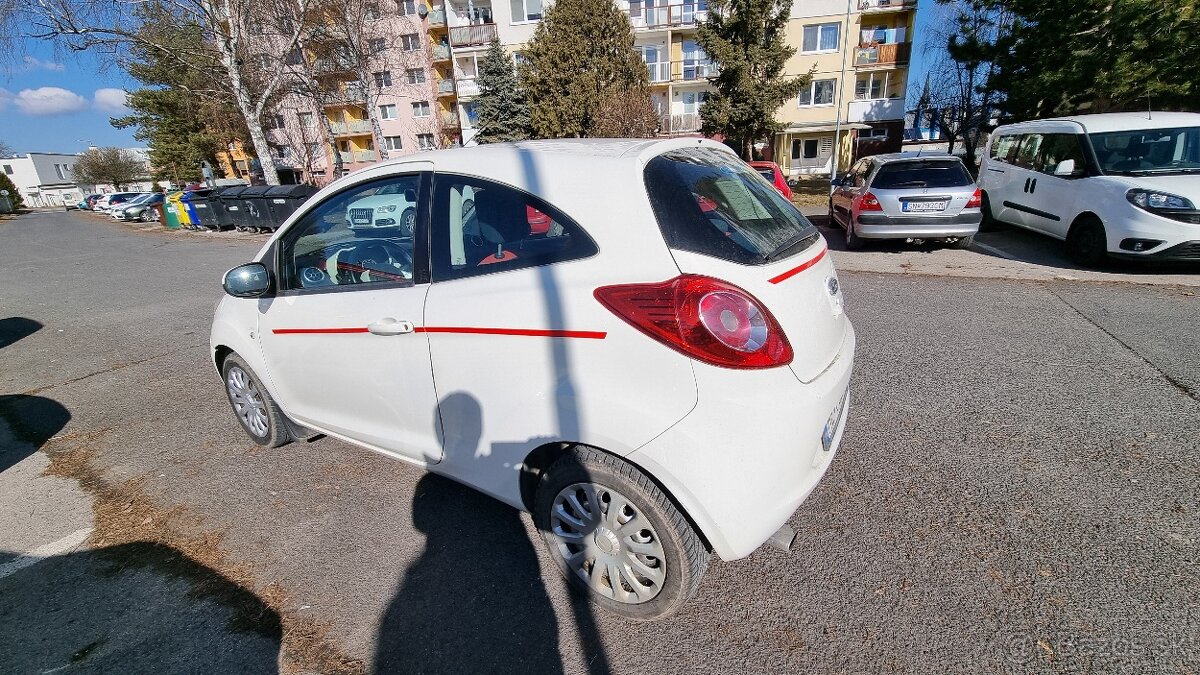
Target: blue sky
61	103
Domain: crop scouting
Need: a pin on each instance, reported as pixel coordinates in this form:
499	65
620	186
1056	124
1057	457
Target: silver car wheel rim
608	543
247	401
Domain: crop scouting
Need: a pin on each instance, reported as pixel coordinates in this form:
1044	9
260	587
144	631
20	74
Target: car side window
363	236
480	227
1004	146
1028	153
861	170
1057	148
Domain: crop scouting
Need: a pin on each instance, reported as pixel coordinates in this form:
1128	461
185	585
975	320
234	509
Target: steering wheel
378	260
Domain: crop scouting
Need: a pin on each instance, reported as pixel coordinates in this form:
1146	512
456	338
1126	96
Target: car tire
659	565
964	242
408	222
988	223
253	407
1087	244
853	241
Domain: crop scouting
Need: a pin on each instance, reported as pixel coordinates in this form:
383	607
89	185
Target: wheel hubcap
247	401
608	543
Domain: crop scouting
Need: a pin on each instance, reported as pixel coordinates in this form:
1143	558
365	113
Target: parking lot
1016	491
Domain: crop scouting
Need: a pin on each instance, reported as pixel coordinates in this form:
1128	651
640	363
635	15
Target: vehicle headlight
1152	200
387	209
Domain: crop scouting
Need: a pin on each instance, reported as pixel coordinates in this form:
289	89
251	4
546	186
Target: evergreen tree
14	195
503	112
746	39
581	54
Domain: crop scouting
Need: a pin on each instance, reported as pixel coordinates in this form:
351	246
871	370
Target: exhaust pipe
783	538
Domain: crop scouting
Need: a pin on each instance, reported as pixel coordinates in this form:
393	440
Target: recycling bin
255	214
171	210
198	210
231	207
283	200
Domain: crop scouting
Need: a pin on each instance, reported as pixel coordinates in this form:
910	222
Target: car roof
1106	122
912	156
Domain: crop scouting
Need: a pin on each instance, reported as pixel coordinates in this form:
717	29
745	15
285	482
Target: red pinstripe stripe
797	270
458	330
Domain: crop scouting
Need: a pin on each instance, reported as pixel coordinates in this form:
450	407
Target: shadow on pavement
26	423
1038	249
16	328
131	609
475	600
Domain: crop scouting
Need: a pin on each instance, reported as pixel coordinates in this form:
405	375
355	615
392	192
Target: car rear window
921	174
710	202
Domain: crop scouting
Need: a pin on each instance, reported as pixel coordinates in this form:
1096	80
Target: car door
1050	198
844	194
340	338
1022	181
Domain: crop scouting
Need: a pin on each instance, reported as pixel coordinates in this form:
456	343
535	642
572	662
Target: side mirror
836	181
1065	168
247	281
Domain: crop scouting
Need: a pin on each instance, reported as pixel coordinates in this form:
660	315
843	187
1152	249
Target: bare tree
223	47
5	149
109	166
627	114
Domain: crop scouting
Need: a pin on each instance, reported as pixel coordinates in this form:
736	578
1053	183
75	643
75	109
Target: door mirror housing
836	181
251	280
1065	168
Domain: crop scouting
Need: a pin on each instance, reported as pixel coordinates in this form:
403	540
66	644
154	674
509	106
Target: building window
376	45
520	59
383	79
371	12
8	169
693	100
58	169
871	86
416	75
306	119
387	112
392	143
812	148
818	92
421	109
410	42
821	37
294	58
312	150
526	10
426	142
408	7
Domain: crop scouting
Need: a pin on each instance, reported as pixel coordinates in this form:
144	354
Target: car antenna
1149	104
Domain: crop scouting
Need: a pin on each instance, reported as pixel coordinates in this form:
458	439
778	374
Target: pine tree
14	195
746	39
503	112
581	53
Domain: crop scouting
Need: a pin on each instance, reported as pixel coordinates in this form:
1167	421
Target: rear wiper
910	183
799	242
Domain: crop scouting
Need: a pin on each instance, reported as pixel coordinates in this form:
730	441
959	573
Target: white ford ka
640	342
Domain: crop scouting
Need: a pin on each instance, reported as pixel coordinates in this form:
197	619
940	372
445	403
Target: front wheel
255	409
617	537
1087	244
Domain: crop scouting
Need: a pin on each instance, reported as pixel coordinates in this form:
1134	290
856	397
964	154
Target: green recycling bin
171	208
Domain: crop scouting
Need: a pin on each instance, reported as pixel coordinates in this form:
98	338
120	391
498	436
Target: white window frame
307	119
381	42
383	78
388	111
409	75
406	39
525	13
431	145
820	27
393	143
371	12
812	94
871	77
407	7
421	109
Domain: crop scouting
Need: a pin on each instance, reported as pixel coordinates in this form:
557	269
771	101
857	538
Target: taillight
704	318
868	202
976	201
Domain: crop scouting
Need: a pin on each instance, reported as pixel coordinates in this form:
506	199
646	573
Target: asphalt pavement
1016	492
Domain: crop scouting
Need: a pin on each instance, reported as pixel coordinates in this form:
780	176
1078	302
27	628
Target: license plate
362	221
922	207
831	425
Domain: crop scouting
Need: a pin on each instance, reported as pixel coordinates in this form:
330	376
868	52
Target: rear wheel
1087	243
853	241
988	224
617	537
964	242
252	405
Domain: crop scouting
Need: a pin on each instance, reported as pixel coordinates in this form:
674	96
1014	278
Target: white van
1120	184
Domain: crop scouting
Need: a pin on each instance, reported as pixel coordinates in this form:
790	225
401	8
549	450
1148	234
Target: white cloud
5	97
49	101
110	100
33	63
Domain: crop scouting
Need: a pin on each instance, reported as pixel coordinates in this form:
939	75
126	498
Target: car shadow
16	328
133	608
1009	242
26	423
836	239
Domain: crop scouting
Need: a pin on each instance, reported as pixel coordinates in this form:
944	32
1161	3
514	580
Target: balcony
347	157
693	70
881	36
878	6
467	87
449	119
882	56
437	17
660	73
478	35
334	65
441	52
355	128
666	16
682	123
366	156
876	110
445	87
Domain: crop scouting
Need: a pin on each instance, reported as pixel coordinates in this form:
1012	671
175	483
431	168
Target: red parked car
774	176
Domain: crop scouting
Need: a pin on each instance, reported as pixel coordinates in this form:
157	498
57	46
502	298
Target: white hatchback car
658	372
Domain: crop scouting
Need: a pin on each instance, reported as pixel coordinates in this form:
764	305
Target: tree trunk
335	159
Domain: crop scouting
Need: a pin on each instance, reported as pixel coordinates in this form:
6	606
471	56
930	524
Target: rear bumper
747	456
877	226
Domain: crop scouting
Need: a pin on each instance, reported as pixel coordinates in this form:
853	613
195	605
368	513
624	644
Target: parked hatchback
773	175
906	196
656	368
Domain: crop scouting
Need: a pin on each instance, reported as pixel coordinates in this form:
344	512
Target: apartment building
854	105
665	34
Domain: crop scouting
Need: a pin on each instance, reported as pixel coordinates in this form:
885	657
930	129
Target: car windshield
710	202
921	174
1148	151
769	174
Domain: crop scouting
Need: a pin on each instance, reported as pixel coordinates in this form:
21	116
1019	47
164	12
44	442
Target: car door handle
1033	186
390	326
